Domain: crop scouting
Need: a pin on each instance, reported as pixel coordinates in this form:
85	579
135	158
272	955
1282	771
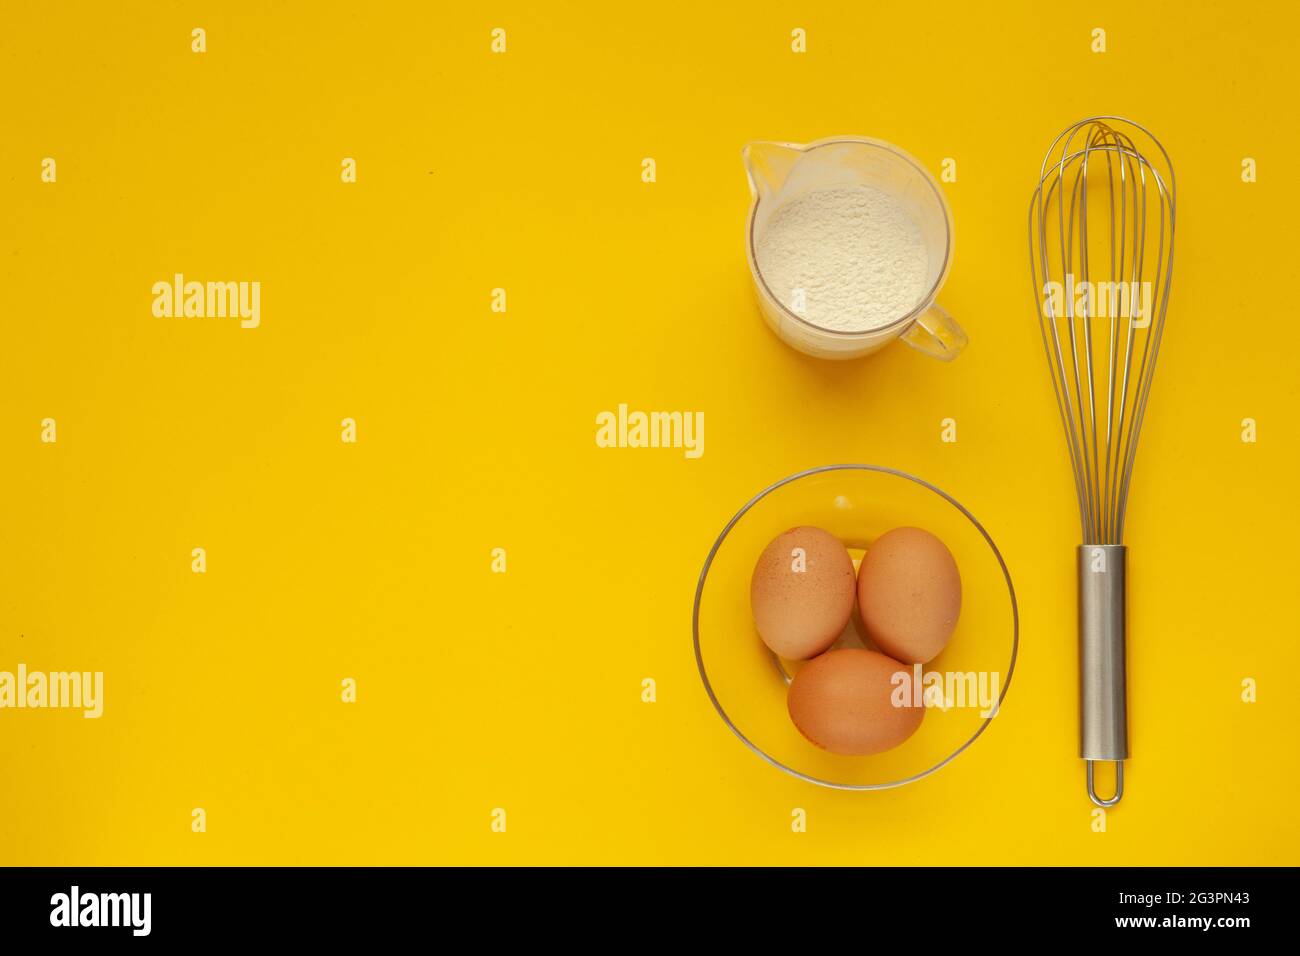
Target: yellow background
476	429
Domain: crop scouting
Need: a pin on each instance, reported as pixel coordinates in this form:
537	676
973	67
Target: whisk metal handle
1102	684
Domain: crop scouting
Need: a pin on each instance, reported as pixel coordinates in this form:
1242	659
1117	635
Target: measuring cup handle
936	334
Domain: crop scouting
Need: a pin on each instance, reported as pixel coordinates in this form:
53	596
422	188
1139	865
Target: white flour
848	258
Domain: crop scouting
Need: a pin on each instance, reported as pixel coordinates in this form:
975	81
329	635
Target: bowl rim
717	705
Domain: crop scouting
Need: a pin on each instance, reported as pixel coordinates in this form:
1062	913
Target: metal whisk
1101	240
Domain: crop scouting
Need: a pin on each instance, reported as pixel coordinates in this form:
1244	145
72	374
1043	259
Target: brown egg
802	592
842	702
909	593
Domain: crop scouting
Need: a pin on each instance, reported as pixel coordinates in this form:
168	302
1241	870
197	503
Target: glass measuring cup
780	172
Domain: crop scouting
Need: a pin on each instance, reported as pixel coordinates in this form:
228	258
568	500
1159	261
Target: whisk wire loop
1097	188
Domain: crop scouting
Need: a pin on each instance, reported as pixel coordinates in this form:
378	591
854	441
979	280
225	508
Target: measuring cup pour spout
768	165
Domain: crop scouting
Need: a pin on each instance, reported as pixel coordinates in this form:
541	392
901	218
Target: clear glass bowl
857	503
